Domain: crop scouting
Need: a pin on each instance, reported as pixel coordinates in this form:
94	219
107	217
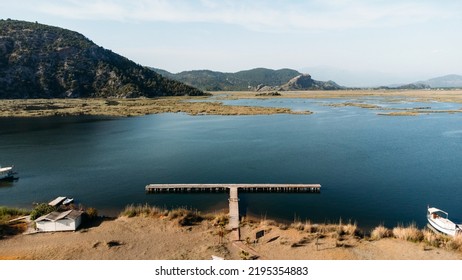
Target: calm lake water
373	169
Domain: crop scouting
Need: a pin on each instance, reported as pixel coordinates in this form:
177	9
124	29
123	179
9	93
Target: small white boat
438	219
68	201
7	173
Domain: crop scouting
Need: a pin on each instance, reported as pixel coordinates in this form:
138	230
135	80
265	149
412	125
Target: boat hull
442	229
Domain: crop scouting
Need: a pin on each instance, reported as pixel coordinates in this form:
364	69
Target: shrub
380	232
298	226
455	243
190	218
91	213
410	233
221	220
142	210
40	210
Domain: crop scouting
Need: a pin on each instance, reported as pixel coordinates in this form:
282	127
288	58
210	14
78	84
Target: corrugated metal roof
55	216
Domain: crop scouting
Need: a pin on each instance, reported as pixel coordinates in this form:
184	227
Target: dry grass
128	107
340	229
442	241
455	243
184	216
143	210
409	233
380	232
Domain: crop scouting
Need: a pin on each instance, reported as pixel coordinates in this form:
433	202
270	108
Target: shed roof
55	216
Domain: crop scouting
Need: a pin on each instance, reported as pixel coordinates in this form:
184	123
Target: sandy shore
161	238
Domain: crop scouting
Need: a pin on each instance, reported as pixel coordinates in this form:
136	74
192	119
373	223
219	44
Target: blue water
373	169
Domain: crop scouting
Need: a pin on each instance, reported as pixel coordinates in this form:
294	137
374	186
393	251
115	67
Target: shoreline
146	232
20	108
25	108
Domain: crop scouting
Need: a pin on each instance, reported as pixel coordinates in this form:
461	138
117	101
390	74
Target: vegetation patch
40	210
380	232
6	215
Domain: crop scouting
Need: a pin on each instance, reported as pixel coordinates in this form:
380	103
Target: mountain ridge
42	61
253	79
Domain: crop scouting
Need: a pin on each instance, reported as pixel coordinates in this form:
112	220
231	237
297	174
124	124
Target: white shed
59	221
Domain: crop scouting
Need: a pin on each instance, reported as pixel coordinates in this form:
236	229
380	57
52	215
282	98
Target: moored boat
7	173
68	201
439	220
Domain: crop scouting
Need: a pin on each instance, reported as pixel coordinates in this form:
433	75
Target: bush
91	213
455	243
410	233
142	210
40	210
380	232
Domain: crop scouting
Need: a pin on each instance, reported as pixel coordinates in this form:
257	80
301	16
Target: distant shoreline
25	108
204	106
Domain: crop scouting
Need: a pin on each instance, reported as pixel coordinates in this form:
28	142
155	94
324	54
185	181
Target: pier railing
154	188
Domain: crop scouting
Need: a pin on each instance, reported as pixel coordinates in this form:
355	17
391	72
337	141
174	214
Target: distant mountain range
257	79
448	81
40	61
375	79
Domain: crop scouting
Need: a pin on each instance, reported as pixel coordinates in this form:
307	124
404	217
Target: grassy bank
343	233
128	107
11	228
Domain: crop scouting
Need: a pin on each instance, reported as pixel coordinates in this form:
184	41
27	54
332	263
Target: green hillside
40	61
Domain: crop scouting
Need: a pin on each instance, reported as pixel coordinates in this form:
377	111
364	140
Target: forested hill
40	61
253	79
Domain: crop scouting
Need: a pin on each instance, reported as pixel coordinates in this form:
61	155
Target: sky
353	42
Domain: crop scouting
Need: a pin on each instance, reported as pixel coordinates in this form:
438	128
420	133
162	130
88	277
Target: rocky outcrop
305	82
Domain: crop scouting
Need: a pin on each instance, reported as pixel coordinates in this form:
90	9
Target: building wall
61	225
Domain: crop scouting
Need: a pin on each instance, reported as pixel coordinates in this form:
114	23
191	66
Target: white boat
7	173
68	201
439	220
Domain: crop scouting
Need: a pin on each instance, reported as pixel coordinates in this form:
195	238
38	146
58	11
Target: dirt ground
147	238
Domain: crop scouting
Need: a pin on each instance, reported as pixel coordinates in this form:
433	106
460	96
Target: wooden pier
225	187
233	189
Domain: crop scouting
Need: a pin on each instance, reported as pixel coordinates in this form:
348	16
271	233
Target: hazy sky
395	40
